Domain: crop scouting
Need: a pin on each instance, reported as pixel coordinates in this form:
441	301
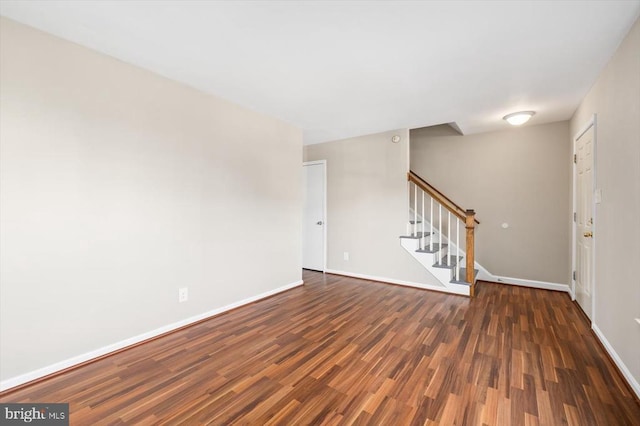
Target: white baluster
415	210
449	240
457	249
422	240
431	226
409	207
439	233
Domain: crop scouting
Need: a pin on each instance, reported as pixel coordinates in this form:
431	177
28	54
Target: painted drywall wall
367	206
518	176
615	99
118	187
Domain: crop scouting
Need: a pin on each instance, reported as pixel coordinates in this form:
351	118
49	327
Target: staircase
433	236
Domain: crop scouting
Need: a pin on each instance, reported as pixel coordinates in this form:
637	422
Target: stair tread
463	273
436	248
417	236
445	264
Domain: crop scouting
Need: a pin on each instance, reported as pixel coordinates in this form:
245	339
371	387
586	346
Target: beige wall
118	187
366	206
518	176
615	99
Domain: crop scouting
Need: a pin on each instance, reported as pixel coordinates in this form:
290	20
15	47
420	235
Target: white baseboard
530	283
623	368
398	282
485	275
50	369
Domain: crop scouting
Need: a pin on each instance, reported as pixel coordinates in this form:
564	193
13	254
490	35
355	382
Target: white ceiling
339	69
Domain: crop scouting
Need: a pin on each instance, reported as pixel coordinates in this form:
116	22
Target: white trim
545	285
592	122
594	225
70	362
574	212
323	163
621	366
585	127
485	275
400	282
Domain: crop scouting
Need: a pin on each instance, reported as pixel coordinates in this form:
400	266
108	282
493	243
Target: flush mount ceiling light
518	118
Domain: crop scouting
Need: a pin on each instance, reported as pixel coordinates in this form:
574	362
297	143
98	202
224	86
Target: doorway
584	217
314	215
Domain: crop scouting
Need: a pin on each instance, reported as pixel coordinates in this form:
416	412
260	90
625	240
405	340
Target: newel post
470	225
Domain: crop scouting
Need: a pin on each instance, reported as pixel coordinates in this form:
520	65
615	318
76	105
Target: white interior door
313	227
584	221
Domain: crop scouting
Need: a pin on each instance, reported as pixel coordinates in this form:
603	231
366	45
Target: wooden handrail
439	196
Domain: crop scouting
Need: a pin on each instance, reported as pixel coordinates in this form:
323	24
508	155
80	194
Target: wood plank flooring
345	351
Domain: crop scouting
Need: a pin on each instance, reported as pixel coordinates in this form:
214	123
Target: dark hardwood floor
347	351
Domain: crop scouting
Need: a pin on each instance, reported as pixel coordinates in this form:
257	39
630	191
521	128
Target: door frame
323	163
591	123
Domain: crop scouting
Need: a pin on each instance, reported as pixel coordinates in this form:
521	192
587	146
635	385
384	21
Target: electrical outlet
346	255
183	294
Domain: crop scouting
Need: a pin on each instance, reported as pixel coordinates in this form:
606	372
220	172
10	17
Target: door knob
588	234
319	222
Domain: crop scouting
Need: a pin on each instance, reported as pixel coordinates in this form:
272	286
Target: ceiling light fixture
518	118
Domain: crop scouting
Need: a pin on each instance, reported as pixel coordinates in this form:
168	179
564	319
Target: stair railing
416	228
